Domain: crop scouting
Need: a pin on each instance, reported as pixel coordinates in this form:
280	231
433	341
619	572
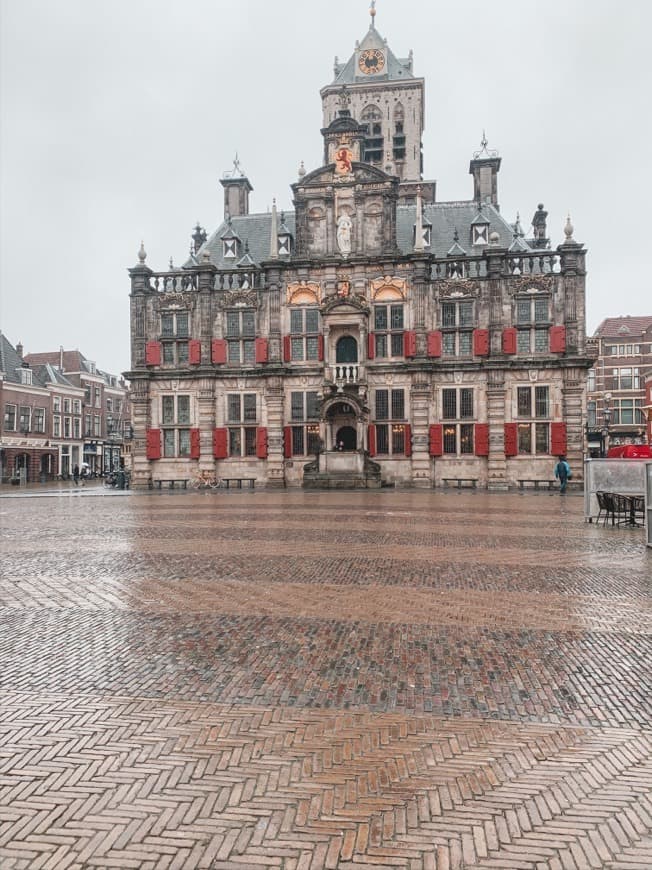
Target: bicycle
205	481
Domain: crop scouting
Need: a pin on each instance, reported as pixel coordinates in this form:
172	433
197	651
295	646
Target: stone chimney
19	349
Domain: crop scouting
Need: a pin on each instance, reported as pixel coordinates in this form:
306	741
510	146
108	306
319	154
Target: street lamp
606	420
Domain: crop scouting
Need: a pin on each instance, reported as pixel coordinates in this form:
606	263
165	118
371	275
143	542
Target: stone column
275	453
140	419
573	415
496	464
206	423
420	406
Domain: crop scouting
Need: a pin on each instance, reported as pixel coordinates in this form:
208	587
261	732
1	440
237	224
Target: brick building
373	334
40	434
58	411
618	407
106	420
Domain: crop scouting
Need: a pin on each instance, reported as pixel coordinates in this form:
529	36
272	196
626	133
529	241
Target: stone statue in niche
344	228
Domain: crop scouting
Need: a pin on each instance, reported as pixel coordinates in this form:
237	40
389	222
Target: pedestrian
563	474
75	475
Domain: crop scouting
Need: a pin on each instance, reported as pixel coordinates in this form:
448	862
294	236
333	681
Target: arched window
399	132
371	122
346	350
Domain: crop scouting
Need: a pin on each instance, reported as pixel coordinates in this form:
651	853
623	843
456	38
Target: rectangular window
532	313
533	403
457	404
88	426
76	428
66	406
241	407
98	397
389	323
457	320
174	324
304	407
24	424
242	441
304	329
38	420
56	404
390	405
67	427
10	418
56	426
175	417
97	426
109	405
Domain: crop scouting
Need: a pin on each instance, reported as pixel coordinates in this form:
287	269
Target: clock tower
387	101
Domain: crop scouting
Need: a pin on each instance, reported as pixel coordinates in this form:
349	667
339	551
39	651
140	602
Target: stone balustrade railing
346	373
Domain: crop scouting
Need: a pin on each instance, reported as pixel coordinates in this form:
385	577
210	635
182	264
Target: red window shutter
434	343
153	353
194	443
371	437
481	342
287	442
509	340
481	439
371	346
511	439
261	348
220	443
410	343
287	348
557	341
558	439
320	348
194	352
218	351
408	440
436	439
153	443
261	442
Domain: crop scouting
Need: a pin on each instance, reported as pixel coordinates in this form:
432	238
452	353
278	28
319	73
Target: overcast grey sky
119	118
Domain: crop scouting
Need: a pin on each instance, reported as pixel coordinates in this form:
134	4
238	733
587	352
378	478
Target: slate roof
624	327
256	229
9	361
444	217
395	68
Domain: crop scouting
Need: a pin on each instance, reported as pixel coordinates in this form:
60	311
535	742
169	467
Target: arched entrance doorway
342	433
346	438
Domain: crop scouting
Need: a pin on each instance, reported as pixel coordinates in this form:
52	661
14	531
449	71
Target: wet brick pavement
304	680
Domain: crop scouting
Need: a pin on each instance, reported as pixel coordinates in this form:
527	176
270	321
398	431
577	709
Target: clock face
371	61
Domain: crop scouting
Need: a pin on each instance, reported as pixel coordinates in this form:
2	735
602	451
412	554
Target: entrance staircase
342	470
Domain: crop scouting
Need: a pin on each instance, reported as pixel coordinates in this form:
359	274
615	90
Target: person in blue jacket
563	474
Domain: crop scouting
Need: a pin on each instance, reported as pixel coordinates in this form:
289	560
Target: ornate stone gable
173	301
453	288
239	299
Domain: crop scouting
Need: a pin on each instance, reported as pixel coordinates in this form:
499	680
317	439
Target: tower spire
372	12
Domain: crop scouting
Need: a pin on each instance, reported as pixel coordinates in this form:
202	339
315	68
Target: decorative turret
484	168
198	238
236	190
342	135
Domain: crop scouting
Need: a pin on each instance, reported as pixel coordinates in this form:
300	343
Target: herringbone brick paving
296	680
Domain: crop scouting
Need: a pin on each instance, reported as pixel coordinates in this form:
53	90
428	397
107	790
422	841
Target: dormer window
284	244
481	234
230	249
25	376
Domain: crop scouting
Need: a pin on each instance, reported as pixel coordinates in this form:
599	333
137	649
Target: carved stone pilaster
275	454
496	464
422	470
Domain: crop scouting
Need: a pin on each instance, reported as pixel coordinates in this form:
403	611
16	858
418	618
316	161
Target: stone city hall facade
374	335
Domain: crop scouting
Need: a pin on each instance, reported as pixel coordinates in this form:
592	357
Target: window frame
533	419
389	340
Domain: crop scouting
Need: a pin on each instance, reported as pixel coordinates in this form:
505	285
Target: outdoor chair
606	505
